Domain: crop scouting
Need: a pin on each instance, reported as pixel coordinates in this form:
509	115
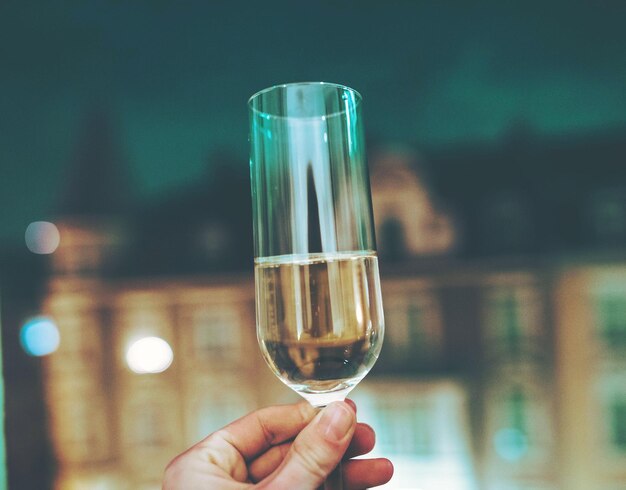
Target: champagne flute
319	310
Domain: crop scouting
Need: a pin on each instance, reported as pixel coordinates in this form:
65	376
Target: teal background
174	78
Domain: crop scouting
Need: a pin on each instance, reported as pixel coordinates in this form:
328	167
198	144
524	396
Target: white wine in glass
320	321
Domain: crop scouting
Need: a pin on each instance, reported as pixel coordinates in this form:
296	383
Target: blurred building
504	283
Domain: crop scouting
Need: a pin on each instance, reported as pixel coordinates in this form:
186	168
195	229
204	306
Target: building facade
502	368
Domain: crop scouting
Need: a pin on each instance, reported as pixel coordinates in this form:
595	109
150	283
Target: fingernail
336	421
351	403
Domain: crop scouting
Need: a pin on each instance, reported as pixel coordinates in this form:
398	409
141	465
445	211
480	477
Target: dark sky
175	77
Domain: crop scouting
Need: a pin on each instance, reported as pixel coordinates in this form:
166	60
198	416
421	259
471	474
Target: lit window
384	417
422	442
215	412
216	334
407	428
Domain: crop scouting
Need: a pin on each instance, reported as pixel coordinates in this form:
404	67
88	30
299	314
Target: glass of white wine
318	303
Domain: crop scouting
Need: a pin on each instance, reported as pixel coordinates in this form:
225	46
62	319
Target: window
608	214
511	325
407	428
399	337
612	319
422	442
392	239
517	410
618	423
511	440
415	319
214	412
612	389
385	418
216	334
424	329
503	317
513	315
415	335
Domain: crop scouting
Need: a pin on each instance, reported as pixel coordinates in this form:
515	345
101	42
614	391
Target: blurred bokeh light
40	336
149	355
42	237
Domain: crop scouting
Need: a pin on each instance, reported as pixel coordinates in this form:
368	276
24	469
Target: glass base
323	399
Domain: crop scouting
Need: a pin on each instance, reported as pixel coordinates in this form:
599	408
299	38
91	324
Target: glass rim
358	98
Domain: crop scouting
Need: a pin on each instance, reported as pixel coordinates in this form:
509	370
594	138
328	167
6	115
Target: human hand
283	447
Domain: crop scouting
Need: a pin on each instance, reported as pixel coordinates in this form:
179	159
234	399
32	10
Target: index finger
256	432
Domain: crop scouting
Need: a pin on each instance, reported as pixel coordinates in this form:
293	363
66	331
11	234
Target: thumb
317	450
